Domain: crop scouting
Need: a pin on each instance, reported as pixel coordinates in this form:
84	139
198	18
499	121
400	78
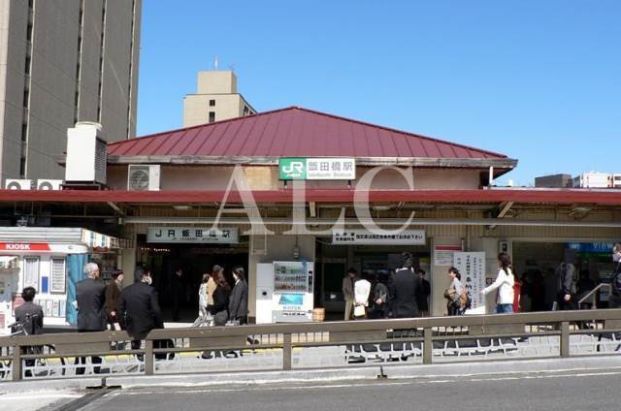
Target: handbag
359	311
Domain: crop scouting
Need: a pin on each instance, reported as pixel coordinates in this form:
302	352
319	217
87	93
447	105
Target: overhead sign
35	248
361	236
192	235
299	168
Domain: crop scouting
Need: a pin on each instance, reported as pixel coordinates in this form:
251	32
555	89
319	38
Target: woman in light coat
504	283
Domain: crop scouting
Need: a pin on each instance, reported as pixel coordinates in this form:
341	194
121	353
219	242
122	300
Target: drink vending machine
284	292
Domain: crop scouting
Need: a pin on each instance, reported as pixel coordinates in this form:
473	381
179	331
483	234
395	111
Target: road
534	391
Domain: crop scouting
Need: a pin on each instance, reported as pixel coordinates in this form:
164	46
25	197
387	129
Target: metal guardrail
420	333
592	294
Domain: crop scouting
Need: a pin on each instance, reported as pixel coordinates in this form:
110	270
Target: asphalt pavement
550	391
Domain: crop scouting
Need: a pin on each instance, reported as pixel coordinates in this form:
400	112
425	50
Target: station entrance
164	259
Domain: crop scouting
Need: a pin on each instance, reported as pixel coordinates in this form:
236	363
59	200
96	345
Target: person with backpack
505	280
614	300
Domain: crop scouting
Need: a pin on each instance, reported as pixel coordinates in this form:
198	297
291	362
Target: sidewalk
580	364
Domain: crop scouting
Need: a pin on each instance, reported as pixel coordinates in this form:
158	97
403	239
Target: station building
300	186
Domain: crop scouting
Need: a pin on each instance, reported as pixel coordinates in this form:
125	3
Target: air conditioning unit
86	154
143	177
17	184
47	184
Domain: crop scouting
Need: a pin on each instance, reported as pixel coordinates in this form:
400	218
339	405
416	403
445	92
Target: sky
536	80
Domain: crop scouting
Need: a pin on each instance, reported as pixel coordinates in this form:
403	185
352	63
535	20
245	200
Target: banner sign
361	236
472	269
192	235
316	168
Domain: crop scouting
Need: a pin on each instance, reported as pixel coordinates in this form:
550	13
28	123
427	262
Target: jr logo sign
292	168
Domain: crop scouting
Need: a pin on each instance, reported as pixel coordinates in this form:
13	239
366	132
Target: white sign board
192	235
471	266
361	236
443	255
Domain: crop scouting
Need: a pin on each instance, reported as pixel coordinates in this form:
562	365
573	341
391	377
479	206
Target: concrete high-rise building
63	62
216	99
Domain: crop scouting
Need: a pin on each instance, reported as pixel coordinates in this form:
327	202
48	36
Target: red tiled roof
474	196
294	132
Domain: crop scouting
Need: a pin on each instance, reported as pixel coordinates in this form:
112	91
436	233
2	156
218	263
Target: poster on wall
471	265
443	254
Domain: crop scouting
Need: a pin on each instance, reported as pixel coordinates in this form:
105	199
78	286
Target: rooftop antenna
215	63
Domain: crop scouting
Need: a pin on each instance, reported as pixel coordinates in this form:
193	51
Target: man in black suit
405	287
91	297
140	306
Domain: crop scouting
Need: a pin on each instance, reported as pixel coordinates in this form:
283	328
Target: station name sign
192	235
361	236
319	168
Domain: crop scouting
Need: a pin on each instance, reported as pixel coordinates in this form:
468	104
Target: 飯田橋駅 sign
300	168
192	235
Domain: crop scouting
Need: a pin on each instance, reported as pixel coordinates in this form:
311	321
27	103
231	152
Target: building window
24	132
27	68
26	96
58	278
246	111
31	272
212	116
212	103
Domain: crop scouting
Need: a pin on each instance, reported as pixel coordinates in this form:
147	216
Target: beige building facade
62	62
216	99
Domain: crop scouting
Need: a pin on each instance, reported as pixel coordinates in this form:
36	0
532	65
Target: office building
62	62
216	99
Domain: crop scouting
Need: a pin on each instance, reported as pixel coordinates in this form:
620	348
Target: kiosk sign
297	168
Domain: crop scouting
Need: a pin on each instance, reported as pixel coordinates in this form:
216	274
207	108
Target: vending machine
284	292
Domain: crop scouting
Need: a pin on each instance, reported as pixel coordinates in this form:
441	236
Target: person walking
614	300
216	271
348	292
141	309
454	293
565	286
238	301
422	296
362	290
91	298
404	288
220	306
378	300
504	284
113	301
30	316
203	296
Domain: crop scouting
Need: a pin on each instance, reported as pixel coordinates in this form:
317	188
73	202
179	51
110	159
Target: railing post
427	345
564	339
16	364
148	357
287	349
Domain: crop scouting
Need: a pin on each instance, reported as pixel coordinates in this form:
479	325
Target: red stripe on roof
531	196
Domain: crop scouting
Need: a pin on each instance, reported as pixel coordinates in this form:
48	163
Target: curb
551	365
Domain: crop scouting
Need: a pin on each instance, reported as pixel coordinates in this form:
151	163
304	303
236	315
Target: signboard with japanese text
298	168
361	236
192	235
471	266
443	254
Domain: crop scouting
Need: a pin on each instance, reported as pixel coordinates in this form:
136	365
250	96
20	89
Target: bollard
16	365
287	349
564	339
427	346
148	357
